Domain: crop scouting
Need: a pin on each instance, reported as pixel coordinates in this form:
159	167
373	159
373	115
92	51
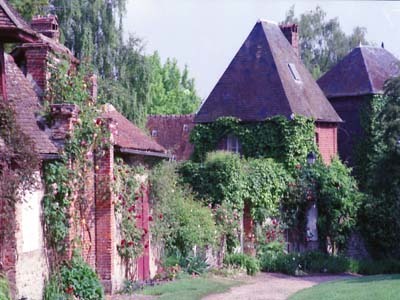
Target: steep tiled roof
12	27
128	135
264	79
26	103
363	71
172	132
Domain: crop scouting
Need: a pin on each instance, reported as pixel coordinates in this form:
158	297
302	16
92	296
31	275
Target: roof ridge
366	69
274	62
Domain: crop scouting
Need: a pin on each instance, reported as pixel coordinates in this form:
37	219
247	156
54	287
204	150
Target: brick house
265	78
173	132
351	84
24	257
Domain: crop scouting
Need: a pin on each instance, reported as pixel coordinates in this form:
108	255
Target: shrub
53	289
4	288
80	280
386	266
239	260
300	263
179	221
196	265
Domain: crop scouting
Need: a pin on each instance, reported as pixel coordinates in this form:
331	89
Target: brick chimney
46	25
64	117
290	31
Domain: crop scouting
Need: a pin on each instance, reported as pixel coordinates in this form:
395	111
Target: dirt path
272	286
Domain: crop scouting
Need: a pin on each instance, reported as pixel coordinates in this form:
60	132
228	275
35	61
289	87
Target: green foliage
266	184
338	203
302	263
179	221
225	178
370	148
65	179
195	264
382	172
172	91
4	288
286	141
129	91
373	267
80	280
322	43
53	289
336	194
227	219
301	193
92	31
29	8
56	203
220	179
243	261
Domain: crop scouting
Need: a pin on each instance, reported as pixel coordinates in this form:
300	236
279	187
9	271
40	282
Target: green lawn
379	287
190	289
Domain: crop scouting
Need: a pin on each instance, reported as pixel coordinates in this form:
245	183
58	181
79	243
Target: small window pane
293	71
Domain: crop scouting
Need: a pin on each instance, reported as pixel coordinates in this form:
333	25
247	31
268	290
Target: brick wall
350	131
36	59
326	138
173	132
105	216
290	31
248	228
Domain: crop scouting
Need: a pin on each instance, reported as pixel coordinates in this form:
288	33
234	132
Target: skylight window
293	71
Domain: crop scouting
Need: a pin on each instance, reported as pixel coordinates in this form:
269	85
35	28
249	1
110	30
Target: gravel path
272	286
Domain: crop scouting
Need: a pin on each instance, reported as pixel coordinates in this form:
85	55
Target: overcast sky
206	34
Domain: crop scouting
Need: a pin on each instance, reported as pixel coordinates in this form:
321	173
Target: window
154	133
317	138
185	128
293	71
232	144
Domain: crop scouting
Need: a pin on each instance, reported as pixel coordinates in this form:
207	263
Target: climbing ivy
65	179
286	141
226	178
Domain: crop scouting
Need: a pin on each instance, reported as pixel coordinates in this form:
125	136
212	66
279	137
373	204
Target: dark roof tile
361	72
259	83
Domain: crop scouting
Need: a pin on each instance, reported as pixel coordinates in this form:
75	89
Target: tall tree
322	42
135	83
29	8
92	29
172	91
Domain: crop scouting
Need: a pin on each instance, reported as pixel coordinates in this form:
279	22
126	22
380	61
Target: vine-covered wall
286	141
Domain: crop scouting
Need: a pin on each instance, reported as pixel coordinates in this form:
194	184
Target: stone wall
31	264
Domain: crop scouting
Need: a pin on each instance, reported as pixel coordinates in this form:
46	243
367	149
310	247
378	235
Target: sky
206	34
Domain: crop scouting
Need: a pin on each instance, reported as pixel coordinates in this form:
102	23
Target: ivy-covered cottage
266	78
350	86
91	219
